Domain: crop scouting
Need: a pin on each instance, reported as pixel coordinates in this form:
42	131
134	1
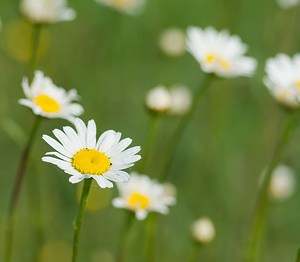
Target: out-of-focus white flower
79	154
47	11
181	100
48	100
131	7
203	230
285	4
219	53
142	195
282	183
158	100
283	79
172	42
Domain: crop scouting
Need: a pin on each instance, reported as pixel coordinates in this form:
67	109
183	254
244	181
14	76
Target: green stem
124	236
263	197
171	149
150	247
195	252
35	39
149	141
298	256
77	226
17	189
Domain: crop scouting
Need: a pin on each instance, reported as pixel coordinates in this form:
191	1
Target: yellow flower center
90	161
297	84
47	104
138	201
211	58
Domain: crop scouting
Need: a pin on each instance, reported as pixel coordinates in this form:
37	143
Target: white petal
102	182
76	179
57	146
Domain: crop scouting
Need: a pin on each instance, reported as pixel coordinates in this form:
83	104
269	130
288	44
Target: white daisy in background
158	99
203	230
143	195
282	184
172	42
285	4
181	100
47	11
283	79
48	100
131	7
79	154
219	52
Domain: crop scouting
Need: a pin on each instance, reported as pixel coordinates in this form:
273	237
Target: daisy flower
48	100
131	7
80	155
142	195
283	79
219	52
47	11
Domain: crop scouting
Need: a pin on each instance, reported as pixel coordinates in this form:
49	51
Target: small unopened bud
181	100
203	230
158	100
282	183
172	42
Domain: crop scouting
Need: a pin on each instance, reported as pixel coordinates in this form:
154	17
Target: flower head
203	230
131	7
285	4
181	100
283	79
172	42
219	53
158	100
47	11
142	195
79	154
48	100
282	183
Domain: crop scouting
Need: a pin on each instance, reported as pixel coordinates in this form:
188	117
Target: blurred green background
112	60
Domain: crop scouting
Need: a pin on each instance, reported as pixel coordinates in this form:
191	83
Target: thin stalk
149	141
17	189
171	149
195	253
77	226
35	40
150	247
263	197
298	256
124	236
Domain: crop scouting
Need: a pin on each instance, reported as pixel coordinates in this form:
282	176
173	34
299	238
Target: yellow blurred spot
137	201
47	104
297	84
211	58
18	40
58	251
224	64
99	198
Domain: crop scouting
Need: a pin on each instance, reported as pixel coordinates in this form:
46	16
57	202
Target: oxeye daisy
142	195
47	100
79	154
131	7
219	52
47	11
283	79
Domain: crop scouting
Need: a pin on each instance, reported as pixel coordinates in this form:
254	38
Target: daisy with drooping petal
79	154
283	79
47	11
48	100
142	195
131	7
219	52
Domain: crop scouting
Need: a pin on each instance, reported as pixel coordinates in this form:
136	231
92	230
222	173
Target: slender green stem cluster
263	198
